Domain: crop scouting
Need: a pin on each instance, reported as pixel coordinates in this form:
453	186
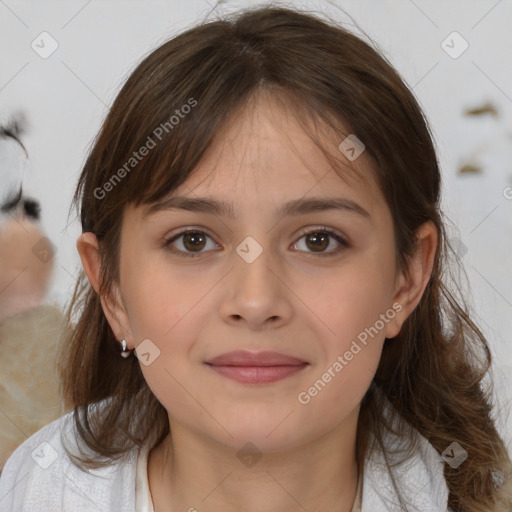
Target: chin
266	436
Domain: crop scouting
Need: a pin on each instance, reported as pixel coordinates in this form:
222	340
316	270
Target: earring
124	351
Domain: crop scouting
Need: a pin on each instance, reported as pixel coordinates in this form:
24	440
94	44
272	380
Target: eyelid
323	229
184	230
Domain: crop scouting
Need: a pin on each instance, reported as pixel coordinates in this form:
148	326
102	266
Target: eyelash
320	230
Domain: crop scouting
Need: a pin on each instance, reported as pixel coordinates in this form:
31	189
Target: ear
112	304
411	284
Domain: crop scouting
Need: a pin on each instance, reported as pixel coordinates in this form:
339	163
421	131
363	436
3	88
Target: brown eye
318	240
194	241
191	241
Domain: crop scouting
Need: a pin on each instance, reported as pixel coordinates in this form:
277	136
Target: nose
256	292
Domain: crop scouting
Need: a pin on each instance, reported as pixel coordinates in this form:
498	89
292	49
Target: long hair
431	372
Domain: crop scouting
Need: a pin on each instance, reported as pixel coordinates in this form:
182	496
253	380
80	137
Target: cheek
349	303
168	308
158	298
355	307
170	387
339	386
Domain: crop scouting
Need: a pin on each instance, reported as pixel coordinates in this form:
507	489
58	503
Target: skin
290	299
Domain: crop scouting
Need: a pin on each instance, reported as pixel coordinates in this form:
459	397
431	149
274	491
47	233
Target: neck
190	472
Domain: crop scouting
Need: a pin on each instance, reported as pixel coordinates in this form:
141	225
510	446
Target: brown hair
431	372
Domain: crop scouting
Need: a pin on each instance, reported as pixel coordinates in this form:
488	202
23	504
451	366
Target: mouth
256	367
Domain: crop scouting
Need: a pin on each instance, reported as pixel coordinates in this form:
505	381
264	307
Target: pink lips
256	367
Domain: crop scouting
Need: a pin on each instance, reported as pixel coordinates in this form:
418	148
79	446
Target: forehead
264	155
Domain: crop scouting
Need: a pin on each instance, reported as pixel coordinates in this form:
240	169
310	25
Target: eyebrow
291	208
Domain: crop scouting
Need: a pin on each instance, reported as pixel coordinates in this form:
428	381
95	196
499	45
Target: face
318	286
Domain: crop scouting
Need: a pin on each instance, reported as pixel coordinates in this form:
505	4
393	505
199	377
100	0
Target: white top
143	500
40	477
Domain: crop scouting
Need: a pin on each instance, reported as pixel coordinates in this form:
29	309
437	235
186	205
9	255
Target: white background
66	96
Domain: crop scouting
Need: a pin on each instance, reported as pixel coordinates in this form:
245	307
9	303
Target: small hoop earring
124	351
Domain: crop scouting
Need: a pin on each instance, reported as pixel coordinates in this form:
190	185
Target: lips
256	367
246	358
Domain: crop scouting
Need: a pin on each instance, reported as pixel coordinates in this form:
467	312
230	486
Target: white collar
419	479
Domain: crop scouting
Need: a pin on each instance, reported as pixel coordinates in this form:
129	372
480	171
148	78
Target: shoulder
40	476
418	475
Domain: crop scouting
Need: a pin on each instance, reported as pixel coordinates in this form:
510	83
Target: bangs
175	149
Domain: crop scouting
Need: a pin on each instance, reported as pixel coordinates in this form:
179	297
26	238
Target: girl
262	240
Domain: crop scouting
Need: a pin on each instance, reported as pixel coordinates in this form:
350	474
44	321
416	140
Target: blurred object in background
29	329
24	277
13	164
